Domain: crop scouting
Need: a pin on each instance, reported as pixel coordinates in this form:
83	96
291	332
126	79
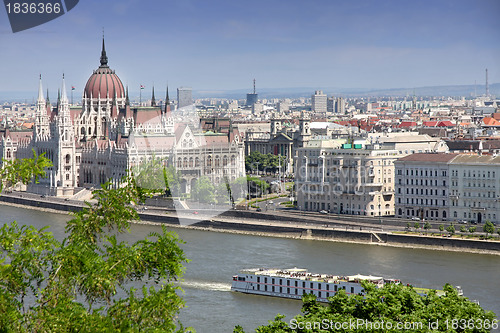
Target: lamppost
379	212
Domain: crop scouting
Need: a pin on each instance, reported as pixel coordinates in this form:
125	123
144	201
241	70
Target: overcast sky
224	45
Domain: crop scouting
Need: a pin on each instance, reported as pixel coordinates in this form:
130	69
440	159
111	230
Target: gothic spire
64	96
127	101
40	91
48	100
104	58
153	101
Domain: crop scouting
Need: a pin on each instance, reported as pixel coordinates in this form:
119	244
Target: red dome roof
104	82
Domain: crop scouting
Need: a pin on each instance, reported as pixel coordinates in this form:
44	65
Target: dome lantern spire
104	57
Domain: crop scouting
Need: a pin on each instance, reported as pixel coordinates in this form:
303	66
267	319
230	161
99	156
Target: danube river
216	257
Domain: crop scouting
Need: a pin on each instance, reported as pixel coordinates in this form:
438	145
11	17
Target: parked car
259	209
463	222
323	212
415	218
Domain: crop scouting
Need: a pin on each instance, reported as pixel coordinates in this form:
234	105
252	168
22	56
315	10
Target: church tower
65	177
42	121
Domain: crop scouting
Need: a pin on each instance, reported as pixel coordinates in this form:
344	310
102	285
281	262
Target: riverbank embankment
277	225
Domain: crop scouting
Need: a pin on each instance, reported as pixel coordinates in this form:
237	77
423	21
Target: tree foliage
390	305
265	163
155	176
489	228
23	170
82	284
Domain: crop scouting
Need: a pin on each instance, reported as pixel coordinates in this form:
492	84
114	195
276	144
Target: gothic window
197	162
68	158
217	161
179	162
190	162
224	161
9	155
185	162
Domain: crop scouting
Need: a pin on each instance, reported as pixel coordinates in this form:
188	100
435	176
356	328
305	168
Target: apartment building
448	187
354	178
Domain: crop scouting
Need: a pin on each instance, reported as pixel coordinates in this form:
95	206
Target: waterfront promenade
282	223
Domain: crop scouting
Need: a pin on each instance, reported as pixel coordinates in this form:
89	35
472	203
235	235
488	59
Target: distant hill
432	91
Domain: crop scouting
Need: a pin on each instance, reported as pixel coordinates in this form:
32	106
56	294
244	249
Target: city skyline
224	45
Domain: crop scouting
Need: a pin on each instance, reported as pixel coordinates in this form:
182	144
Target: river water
216	257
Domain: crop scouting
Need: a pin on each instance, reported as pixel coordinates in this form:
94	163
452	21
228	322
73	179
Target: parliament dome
104	82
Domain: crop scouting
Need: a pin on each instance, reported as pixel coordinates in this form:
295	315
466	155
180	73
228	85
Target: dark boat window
352	290
303	284
296	291
241	278
287	290
296	283
335	288
258	279
319	294
287	282
327	287
281	281
311	285
273	281
265	287
319	285
273	289
265	280
281	289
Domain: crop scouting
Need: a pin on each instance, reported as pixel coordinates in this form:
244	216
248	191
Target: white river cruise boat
295	282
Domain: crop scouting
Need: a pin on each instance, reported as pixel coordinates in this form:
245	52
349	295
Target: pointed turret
64	96
153	101
167	102
127	101
40	99
47	99
104	57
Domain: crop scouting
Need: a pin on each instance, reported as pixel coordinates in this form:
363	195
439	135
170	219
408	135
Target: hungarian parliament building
106	137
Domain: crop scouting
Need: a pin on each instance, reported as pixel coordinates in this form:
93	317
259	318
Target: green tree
451	229
81	283
408	226
416	226
441	227
489	228
155	176
463	229
391	304
472	229
427	226
23	170
203	190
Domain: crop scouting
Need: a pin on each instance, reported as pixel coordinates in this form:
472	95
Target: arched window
179	162
68	158
190	162
400	211
197	162
444	214
224	160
